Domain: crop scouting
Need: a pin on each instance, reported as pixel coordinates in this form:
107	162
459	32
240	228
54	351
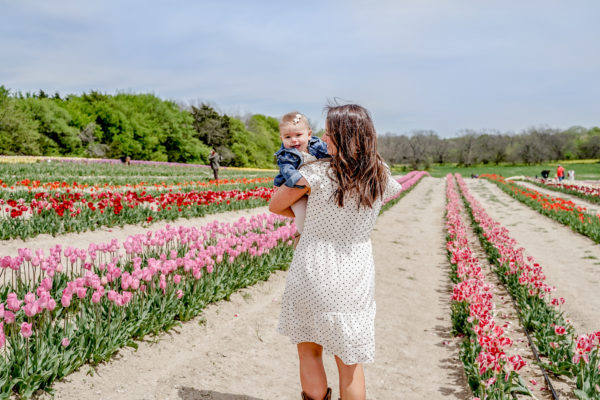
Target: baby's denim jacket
289	160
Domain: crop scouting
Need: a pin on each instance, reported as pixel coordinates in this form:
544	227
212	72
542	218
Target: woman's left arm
285	196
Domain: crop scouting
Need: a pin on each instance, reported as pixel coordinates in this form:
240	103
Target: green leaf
132	344
581	395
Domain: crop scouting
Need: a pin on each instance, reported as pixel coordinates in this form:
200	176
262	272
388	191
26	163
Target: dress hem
368	359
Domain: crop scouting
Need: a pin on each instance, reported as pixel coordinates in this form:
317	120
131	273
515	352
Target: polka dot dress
329	293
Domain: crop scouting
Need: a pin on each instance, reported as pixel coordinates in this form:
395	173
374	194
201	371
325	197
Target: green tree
264	131
589	144
54	123
18	133
210	127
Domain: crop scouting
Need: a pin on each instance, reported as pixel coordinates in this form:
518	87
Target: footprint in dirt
189	393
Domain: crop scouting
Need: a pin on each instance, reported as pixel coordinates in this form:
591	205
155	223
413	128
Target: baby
298	146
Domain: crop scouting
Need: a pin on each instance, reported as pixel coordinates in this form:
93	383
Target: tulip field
491	366
66	306
57	199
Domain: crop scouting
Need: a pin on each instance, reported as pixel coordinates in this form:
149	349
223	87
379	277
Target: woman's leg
352	381
312	371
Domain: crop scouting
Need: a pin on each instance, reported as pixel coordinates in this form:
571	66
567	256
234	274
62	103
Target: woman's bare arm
284	197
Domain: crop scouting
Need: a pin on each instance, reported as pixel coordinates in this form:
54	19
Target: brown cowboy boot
327	395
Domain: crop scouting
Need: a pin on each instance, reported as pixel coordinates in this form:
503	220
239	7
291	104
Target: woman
328	303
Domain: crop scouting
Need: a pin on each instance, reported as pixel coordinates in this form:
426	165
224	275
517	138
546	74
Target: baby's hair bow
296	119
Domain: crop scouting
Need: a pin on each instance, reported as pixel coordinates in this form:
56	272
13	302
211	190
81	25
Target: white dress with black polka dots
329	293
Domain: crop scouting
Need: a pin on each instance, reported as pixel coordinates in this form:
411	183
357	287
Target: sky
415	65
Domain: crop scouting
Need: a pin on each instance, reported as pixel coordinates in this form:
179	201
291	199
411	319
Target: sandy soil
233	351
570	261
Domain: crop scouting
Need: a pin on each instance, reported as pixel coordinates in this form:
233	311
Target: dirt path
233	351
591	207
417	356
570	261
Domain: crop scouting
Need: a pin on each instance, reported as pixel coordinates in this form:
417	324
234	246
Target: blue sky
415	64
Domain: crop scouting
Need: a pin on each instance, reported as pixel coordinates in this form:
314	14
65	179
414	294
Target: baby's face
295	136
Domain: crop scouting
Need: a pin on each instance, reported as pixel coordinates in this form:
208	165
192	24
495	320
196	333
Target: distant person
545	174
214	158
560	173
571	175
298	146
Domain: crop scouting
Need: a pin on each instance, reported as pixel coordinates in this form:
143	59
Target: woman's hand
284	197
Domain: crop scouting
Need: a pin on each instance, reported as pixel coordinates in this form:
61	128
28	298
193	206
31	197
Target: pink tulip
176	279
65	342
31	309
126	297
112	295
96	297
25	330
12	302
65	300
29	298
81	292
9	317
179	293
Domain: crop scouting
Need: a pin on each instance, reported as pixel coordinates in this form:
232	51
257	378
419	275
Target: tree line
145	127
141	126
531	146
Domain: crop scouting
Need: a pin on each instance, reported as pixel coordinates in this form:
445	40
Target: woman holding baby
328	304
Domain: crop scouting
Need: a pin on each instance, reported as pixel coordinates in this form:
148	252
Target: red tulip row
36	185
585	192
57	213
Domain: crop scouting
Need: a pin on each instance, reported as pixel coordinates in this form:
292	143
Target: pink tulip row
99	272
473	289
532	278
408	181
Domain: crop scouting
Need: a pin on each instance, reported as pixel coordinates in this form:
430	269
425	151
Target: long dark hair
357	168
